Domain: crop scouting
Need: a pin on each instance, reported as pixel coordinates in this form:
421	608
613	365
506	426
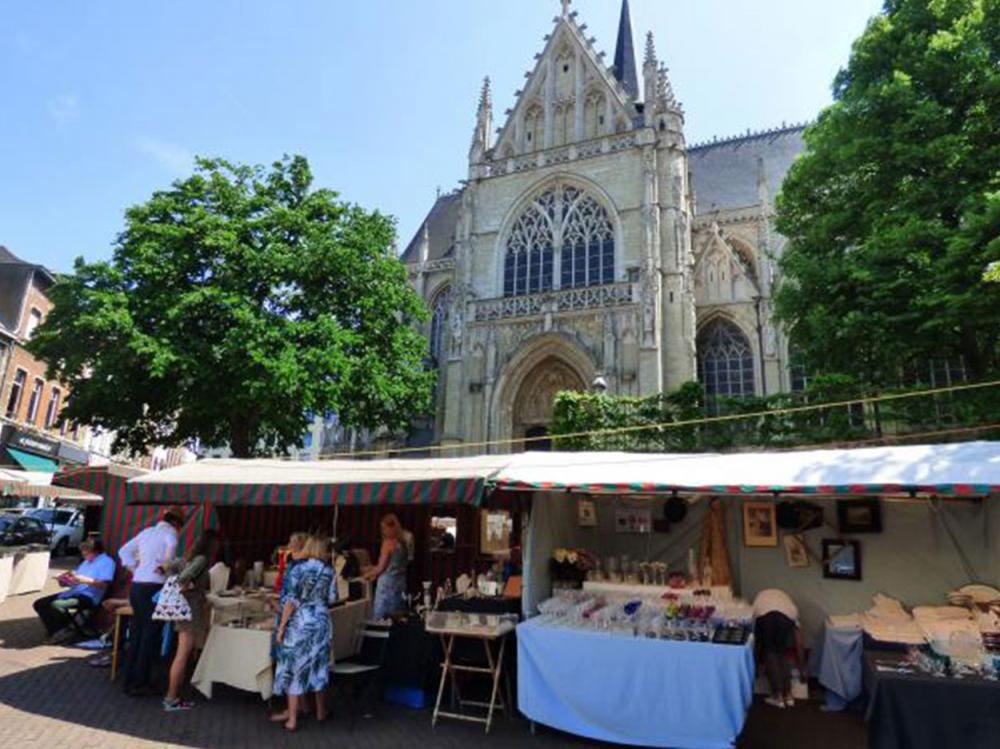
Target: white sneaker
789	702
775	702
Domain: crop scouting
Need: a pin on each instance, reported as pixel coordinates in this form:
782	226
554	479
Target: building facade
591	243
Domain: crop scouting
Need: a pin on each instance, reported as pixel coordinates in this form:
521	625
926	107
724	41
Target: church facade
592	246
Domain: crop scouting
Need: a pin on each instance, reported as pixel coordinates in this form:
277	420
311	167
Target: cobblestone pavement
50	697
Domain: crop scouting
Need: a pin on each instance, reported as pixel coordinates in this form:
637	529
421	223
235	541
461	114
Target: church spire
625	68
484	123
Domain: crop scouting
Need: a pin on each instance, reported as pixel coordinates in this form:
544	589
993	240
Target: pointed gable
569	96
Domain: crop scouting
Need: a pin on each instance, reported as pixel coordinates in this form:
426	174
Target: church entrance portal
535	397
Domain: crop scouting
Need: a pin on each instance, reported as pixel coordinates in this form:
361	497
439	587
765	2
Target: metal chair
361	675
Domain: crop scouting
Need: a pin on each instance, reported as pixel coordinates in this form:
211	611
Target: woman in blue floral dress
390	572
304	633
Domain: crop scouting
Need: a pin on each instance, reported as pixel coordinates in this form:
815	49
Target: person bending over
776	629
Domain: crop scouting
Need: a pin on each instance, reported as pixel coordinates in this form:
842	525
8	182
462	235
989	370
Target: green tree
893	212
236	302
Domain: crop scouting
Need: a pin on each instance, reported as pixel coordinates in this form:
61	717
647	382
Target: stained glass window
725	360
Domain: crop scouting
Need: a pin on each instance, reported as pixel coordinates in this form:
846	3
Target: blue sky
108	100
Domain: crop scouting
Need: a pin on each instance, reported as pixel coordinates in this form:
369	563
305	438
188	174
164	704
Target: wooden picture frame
760	525
494	532
859	515
841	559
796	553
586	513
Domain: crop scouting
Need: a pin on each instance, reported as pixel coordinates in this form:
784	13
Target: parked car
16	530
65	525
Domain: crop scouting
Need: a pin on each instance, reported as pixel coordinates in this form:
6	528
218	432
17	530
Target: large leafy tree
894	211
236	302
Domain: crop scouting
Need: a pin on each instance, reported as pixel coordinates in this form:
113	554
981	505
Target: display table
230	608
6	572
632	690
238	657
719	592
836	661
917	711
30	573
489	637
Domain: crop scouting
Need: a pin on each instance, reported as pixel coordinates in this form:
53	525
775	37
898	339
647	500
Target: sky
106	101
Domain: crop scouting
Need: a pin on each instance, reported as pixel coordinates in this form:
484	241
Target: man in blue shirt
85	588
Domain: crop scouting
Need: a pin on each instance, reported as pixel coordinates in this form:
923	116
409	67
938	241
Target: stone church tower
590	245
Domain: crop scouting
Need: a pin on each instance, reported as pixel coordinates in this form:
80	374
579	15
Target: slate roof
625	67
441	223
724	173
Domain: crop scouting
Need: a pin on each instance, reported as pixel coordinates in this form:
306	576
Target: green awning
31	462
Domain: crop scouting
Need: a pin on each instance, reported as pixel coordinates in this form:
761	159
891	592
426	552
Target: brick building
30	433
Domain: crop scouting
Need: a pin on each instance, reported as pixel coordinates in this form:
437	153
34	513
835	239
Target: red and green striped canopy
268	483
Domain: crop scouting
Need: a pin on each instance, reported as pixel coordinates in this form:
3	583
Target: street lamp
600	385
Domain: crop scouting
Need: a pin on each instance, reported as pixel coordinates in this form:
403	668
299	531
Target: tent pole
336	517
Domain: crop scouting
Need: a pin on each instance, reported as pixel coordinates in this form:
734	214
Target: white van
66	524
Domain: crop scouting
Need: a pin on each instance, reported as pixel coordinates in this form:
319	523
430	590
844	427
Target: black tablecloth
915	711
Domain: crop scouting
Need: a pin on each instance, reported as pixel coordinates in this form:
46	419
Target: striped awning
440	481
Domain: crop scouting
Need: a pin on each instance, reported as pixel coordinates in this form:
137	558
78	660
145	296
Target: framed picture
841	559
859	515
586	513
494	533
796	554
760	526
632	520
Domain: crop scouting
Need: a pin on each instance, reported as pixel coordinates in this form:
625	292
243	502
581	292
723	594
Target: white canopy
958	469
39	484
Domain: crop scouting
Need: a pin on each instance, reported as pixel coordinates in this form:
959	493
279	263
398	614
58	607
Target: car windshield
6	521
52	517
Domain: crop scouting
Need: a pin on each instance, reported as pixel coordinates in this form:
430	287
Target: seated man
85	585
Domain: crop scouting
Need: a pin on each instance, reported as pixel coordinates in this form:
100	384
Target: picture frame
859	515
633	520
796	552
586	513
841	559
494	532
760	525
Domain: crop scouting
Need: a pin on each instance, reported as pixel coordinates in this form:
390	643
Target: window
725	361
16	391
34	320
36	398
52	411
562	223
444	533
440	309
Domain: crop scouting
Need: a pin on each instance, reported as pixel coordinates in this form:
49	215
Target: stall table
30	573
836	661
635	691
918	711
6	572
489	637
238	657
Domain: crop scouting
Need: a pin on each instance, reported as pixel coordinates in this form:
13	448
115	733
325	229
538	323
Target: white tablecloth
240	658
30	573
6	572
227	608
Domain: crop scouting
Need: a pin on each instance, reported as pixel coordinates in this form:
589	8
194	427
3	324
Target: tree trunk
239	437
971	353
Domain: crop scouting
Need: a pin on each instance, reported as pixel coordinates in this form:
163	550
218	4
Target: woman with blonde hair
304	632
390	572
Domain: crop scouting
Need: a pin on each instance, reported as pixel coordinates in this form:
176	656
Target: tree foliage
236	302
893	213
682	422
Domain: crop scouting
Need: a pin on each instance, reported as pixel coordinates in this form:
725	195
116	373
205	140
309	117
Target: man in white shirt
147	556
776	629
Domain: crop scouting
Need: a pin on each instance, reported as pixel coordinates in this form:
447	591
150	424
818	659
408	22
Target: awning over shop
33	462
959	469
32	484
327	482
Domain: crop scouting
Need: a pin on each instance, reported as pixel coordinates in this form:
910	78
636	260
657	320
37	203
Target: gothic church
591	246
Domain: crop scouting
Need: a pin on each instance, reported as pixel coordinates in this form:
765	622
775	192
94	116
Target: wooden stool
116	641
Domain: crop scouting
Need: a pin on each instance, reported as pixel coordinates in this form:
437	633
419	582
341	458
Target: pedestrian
776	629
147	556
193	579
390	571
305	632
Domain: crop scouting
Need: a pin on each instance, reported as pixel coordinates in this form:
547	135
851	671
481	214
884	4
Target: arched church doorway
532	412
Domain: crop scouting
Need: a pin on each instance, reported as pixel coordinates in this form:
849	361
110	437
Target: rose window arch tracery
564	235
